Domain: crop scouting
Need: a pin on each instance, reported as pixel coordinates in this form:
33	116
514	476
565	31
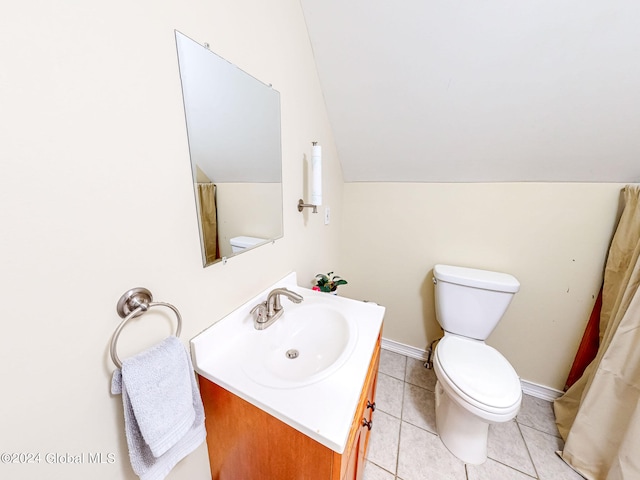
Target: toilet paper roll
316	175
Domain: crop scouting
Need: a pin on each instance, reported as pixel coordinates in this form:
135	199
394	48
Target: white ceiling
480	91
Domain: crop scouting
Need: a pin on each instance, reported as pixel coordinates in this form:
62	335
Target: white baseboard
402	349
530	388
540	391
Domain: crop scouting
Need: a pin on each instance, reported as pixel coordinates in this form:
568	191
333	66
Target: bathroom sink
305	345
330	340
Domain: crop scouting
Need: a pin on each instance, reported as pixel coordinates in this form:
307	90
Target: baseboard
540	391
529	388
402	349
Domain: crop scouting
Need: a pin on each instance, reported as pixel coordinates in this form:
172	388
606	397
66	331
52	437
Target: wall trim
540	391
401	348
530	388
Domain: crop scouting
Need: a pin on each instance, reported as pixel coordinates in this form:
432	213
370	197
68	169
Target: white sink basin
316	393
305	345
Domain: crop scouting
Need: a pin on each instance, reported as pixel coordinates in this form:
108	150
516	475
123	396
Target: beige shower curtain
208	220
599	416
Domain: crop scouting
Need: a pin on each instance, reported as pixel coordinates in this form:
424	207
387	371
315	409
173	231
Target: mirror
233	127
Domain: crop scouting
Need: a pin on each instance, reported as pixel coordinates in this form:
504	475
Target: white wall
96	197
488	91
552	236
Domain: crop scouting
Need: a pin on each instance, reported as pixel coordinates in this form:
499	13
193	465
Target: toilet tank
471	302
238	244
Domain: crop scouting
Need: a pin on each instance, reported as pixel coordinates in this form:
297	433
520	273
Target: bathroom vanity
247	442
272	416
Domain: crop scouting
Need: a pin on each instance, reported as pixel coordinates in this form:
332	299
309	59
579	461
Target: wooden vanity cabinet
247	443
352	460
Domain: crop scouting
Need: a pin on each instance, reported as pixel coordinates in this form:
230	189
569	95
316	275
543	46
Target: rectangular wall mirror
233	127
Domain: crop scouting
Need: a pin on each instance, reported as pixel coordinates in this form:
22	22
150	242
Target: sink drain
293	353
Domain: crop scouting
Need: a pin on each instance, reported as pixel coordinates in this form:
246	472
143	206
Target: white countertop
322	410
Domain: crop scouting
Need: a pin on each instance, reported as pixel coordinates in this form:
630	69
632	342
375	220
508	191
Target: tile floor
404	445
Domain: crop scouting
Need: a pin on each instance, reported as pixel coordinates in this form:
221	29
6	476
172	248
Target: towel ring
134	303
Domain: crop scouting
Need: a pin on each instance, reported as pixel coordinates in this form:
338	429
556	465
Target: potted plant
328	283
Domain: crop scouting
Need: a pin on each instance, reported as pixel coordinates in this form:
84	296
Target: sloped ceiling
481	91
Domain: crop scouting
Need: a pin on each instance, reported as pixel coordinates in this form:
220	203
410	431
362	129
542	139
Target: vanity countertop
323	409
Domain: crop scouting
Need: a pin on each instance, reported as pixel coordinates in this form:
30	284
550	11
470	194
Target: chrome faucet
265	313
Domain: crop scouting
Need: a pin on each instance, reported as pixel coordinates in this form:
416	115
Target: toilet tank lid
471	277
244	241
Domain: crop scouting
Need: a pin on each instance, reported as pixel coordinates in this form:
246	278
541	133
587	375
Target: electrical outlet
327	215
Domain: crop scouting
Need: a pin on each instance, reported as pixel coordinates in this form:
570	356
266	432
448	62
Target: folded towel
163	413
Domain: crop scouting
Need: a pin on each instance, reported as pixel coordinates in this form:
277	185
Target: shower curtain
599	416
208	220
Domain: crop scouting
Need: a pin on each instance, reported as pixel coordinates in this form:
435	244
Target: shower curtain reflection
208	221
599	416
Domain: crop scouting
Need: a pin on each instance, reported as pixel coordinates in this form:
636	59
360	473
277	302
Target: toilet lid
479	371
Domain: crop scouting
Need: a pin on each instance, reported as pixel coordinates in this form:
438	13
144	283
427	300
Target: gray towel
163	413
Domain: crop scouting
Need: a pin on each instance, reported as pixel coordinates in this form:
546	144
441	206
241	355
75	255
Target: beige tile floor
404	444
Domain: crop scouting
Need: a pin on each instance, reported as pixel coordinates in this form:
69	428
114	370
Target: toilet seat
479	376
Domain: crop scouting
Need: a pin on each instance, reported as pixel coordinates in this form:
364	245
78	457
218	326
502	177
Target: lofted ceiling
481	91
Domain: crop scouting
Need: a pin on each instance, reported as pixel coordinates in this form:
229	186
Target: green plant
328	282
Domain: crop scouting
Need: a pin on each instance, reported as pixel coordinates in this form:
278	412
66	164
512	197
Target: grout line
402	421
404	381
538	430
379	409
526	445
381	468
511	467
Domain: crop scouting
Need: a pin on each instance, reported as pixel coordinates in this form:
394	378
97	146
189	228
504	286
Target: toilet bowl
476	385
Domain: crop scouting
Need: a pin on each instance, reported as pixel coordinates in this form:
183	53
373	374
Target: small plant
328	282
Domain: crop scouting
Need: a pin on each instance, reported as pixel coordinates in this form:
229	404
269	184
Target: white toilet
241	243
476	385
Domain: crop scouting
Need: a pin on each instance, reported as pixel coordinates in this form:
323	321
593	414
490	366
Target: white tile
492	470
419	407
418	374
507	446
518	450
389	392
383	443
374	472
542	447
392	364
537	413
424	457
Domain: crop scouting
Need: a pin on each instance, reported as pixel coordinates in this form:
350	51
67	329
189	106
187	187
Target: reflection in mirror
233	126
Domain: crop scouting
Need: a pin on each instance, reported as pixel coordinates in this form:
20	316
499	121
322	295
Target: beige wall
239	202
552	237
96	197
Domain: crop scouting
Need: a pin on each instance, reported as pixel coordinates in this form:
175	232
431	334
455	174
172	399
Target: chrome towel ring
134	303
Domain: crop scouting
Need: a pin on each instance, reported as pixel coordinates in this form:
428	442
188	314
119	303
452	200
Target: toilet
476	386
241	243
